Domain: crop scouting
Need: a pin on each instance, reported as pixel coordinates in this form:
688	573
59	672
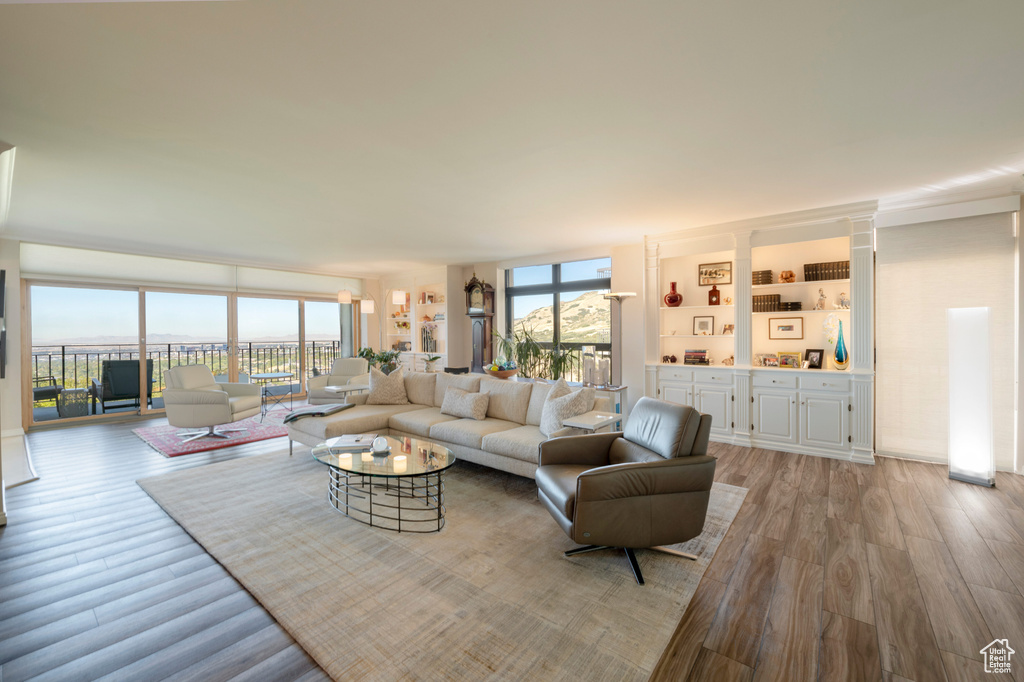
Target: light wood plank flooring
839	571
831	571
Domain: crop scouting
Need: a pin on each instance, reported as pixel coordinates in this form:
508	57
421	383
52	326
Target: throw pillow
556	410
387	389
459	403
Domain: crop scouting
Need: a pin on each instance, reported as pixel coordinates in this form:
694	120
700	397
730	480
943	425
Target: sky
60	313
541	274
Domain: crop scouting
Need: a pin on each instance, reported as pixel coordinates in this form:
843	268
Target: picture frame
785	328
815	357
714	273
728	330
703	325
790	360
769	360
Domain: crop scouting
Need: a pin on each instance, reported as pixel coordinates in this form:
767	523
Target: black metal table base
406	504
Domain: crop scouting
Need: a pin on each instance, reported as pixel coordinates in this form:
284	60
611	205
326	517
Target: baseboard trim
745	441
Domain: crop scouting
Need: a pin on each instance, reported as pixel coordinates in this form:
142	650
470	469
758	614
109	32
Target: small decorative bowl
502	373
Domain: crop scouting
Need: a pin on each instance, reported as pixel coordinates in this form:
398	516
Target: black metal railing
75	365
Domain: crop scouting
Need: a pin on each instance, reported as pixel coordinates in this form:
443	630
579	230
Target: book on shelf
353	442
316	411
816	272
696	357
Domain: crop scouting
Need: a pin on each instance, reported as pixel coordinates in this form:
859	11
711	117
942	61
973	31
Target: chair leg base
675	552
189	436
629	555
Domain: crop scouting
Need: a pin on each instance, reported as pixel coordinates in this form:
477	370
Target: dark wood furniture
480	308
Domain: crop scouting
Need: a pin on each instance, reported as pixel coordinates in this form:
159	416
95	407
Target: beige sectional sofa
508	438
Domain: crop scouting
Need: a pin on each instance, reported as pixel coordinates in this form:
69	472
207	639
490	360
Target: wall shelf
697	307
787	313
783	285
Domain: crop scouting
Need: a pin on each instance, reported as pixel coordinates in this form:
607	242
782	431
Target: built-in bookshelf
697	324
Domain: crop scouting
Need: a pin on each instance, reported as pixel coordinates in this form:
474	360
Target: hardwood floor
831	571
97	582
839	571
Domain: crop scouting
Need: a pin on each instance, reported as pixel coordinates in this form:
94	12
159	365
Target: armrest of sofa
637	479
193	396
590	450
356	398
236	390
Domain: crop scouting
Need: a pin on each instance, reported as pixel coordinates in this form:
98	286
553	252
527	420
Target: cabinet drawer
673	374
710	376
775	380
825	383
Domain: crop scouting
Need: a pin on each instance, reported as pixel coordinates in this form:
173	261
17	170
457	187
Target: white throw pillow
459	403
562	407
387	389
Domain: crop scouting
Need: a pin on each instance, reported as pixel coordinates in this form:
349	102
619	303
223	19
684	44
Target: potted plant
522	351
430	363
386	360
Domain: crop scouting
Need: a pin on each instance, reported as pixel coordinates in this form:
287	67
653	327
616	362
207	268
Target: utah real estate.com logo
997	656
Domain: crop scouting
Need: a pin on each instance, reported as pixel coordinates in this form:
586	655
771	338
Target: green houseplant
386	360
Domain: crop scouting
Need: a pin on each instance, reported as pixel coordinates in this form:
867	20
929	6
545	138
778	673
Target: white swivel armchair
194	399
344	371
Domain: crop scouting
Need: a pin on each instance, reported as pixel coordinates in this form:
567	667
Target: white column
862	340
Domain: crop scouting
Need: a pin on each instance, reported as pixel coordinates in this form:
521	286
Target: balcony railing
75	365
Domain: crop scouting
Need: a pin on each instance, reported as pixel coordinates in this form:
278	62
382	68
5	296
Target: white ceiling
374	136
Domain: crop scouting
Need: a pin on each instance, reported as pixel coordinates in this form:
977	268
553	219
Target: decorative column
862	336
742	271
652	318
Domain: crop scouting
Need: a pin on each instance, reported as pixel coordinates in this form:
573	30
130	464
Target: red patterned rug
165	440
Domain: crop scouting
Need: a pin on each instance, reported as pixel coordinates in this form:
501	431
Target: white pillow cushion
459	403
387	389
560	408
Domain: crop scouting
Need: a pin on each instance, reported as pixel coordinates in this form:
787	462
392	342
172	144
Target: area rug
489	597
165	439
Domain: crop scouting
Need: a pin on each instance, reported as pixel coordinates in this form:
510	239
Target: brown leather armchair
641	488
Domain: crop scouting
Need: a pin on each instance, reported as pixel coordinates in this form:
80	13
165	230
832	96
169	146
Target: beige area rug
16	462
489	597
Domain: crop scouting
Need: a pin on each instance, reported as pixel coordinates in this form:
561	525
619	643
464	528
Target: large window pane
323	336
598	268
74	330
536	315
268	337
534	274
584	317
185	329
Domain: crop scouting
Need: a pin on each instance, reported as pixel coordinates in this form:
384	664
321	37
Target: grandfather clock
480	308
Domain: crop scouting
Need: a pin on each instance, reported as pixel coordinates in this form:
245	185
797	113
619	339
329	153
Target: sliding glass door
185	329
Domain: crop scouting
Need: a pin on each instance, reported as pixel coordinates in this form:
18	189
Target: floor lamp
616	315
970	397
368	306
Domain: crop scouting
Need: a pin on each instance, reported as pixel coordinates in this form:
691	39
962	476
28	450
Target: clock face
476	299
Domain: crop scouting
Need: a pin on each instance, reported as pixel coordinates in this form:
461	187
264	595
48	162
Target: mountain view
585	319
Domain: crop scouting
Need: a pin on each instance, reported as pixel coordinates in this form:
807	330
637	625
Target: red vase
673	298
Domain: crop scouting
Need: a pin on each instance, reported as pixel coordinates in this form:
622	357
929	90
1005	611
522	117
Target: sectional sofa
508	438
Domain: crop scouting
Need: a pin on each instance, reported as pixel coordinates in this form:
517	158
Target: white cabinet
681	394
775	415
716	401
824	419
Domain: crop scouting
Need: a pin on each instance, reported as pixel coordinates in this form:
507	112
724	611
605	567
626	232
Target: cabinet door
681	394
775	415
716	401
823	420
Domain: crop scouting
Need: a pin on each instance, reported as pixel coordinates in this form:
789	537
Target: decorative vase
673	298
714	297
842	356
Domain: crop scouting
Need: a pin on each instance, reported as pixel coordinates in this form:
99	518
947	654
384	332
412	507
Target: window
562	304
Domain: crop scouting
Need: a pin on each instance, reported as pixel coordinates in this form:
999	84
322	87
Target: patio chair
45	388
119	382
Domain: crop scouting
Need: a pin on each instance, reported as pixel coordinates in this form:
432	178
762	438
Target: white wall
10	387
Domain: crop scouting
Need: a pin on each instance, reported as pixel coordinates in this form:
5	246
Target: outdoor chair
119	381
45	388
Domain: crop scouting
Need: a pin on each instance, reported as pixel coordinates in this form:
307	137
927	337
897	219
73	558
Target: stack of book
766	303
762	277
790	306
816	272
696	357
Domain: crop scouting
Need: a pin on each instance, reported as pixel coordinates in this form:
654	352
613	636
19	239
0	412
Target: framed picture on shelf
759	360
791	360
728	329
704	325
714	273
814	357
769	360
785	328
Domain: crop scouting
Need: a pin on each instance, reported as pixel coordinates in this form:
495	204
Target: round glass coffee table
403	491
